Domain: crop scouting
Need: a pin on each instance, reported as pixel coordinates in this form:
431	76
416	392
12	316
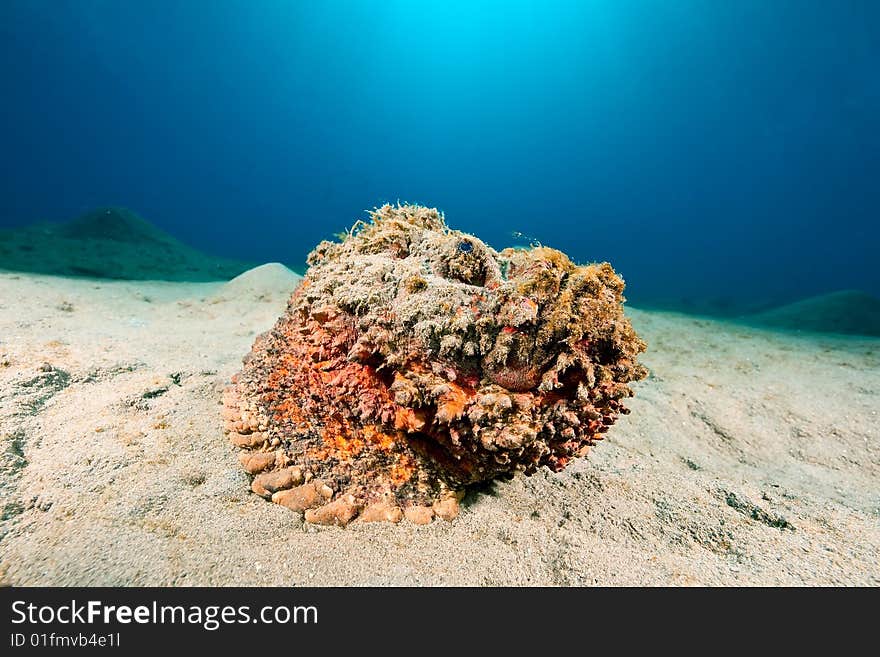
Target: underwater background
723	156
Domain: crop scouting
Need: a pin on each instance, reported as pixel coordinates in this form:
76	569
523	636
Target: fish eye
465	247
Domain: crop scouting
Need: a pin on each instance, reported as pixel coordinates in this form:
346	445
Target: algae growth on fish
414	360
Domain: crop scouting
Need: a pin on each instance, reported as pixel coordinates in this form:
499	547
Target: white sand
750	457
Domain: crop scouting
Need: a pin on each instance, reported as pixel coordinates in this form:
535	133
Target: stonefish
413	360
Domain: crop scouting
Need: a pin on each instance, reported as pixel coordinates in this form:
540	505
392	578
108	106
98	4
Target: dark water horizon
722	156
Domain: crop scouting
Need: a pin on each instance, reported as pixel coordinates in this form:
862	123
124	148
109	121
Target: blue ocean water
721	155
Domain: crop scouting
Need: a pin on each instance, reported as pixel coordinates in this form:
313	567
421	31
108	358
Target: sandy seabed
750	457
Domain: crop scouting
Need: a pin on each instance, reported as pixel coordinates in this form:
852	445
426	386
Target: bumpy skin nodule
414	360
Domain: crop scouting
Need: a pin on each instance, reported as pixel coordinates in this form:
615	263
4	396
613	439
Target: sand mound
109	243
848	311
264	282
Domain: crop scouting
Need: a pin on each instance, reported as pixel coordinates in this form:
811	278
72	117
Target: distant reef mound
110	242
116	225
848	311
